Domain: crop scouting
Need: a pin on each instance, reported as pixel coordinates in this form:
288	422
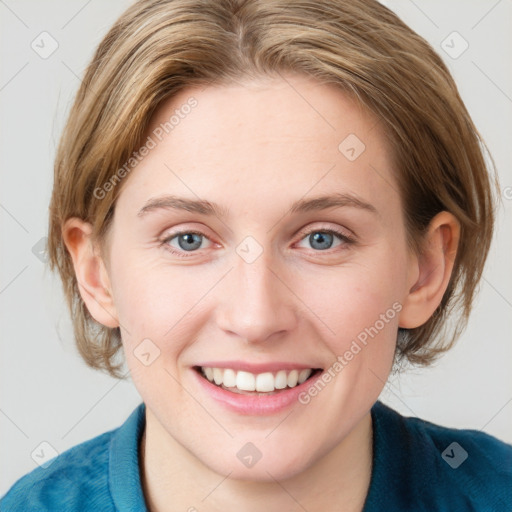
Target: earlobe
90	271
433	271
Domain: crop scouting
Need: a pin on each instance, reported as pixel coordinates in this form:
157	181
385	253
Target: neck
173	479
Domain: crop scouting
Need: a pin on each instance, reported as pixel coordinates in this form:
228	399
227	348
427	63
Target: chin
266	465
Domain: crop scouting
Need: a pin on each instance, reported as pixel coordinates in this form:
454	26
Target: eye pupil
192	241
324	239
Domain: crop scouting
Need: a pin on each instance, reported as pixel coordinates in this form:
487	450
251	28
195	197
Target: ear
90	271
431	271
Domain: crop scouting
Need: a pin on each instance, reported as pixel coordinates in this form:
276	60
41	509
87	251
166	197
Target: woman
265	205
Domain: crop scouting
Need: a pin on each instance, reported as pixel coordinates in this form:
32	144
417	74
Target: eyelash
346	239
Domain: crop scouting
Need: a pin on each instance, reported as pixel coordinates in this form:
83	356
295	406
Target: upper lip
257	368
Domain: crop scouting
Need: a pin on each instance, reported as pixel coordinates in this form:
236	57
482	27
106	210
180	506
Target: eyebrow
204	207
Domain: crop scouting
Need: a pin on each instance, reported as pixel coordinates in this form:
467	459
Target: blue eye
188	241
323	239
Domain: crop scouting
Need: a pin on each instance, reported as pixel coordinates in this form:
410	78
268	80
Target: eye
323	239
184	241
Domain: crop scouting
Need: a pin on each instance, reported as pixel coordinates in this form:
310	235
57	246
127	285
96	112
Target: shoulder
77	479
450	467
491	455
486	455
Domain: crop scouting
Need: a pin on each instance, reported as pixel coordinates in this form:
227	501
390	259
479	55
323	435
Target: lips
253	402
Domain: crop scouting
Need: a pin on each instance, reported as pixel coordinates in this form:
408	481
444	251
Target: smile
243	382
246	381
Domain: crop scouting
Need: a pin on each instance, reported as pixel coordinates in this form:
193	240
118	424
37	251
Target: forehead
243	144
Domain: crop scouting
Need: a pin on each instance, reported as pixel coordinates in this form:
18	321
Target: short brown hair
158	47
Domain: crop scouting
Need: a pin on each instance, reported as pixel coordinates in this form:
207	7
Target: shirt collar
124	475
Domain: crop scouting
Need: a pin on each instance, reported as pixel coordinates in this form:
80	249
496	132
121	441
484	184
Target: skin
254	148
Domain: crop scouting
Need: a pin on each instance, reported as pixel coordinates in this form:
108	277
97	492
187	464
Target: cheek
358	306
353	298
160	302
147	295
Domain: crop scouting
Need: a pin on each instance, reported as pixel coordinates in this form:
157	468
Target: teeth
218	375
229	379
281	380
263	382
208	372
245	381
293	377
303	375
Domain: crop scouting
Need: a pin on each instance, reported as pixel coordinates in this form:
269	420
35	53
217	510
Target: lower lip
255	404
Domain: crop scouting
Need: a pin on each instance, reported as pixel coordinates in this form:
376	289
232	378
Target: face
296	260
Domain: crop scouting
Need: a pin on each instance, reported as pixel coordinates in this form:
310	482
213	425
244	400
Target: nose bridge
258	304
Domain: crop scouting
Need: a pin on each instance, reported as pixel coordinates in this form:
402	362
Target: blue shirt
417	466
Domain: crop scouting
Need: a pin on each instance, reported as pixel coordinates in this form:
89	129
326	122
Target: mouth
261	384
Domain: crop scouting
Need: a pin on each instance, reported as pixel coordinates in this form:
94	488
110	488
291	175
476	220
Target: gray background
47	392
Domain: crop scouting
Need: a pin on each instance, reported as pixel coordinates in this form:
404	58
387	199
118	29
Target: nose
259	302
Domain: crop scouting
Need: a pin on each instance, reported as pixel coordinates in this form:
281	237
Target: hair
158	47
